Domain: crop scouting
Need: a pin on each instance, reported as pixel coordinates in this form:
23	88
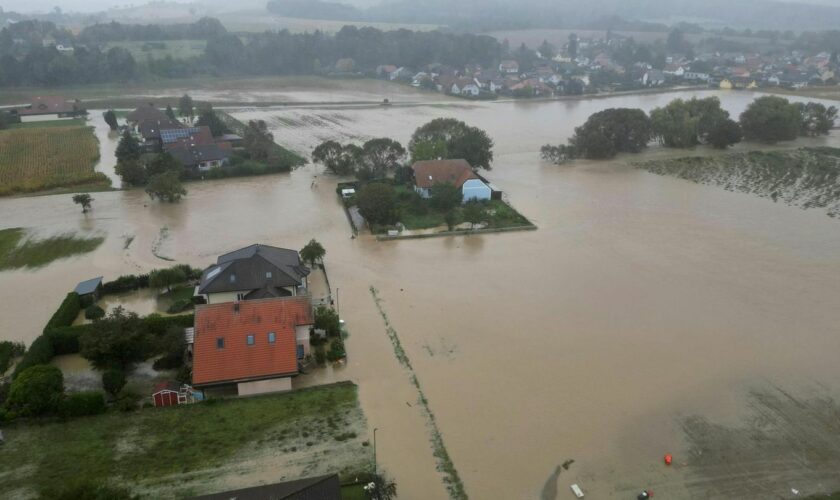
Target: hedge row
67	312
50	344
81	404
126	283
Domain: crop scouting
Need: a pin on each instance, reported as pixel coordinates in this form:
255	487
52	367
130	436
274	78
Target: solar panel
171	135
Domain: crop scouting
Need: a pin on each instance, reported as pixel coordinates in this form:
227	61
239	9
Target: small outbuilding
89	289
168	394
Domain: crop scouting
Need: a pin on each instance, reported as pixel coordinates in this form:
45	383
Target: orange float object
668	459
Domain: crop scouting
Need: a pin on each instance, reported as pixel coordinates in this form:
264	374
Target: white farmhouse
429	173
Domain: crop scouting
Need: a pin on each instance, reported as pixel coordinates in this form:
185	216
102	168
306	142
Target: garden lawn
34	159
138	450
16	251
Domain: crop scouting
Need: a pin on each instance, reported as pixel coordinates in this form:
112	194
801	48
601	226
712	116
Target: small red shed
166	394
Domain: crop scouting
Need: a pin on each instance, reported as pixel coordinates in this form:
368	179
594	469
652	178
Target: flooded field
647	315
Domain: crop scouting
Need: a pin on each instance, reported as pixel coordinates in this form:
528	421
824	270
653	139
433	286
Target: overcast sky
98	5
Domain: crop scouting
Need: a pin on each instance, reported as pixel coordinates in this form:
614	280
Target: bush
327	319
113	380
82	404
85	489
9	351
36	391
336	351
94	312
128	402
179	305
40	352
320	355
126	284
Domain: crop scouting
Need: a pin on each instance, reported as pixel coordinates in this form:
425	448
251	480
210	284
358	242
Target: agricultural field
177	49
34	159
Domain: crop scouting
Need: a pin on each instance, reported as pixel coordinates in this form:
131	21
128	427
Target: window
250	340
220	343
272	337
240	296
268	275
233	278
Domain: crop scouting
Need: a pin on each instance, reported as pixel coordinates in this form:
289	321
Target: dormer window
233	278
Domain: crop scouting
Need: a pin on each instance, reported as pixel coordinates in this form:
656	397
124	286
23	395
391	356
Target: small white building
428	174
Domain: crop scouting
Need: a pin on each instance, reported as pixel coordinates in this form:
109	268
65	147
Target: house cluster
594	68
252	333
49	108
195	147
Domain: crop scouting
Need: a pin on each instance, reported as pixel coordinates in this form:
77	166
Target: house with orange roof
252	345
429	173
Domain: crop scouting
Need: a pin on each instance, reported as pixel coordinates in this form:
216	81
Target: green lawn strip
164	441
49	124
498	214
17	252
451	479
353	492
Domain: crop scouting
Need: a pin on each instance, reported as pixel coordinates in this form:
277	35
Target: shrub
320	355
94	312
82	404
126	284
128	402
327	319
85	489
36	391
179	305
40	352
8	351
113	380
336	351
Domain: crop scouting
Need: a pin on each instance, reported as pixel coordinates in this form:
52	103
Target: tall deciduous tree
382	155
313	252
462	141
377	203
771	119
445	197
209	118
615	130
132	172
111	119
185	106
160	278
116	341
258	140
166	187
338	159
84	200
128	148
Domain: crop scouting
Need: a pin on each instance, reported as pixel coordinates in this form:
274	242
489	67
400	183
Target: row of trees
374	159
688	123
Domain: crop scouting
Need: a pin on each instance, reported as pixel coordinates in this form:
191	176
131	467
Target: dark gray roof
268	292
193	155
252	268
88	286
145	112
313	488
150	129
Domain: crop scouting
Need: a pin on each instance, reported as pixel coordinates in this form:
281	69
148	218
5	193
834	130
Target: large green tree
166	187
111	119
258	140
36	391
313	252
380	156
128	148
185	106
338	159
462	142
725	133
165	278
771	119
209	118
116	341
445	197
614	130
816	118
132	172
84	200
377	203
683	124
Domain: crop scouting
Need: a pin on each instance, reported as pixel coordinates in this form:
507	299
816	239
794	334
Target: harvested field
33	159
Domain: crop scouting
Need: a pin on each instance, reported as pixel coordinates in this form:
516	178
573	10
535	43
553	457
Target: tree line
689	123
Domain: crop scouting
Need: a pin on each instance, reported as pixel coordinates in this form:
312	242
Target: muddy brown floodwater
640	319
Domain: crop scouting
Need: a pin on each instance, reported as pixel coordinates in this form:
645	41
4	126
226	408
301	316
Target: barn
166	394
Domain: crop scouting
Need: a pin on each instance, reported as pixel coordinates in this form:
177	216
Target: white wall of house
471	89
475	189
302	337
264	386
423	192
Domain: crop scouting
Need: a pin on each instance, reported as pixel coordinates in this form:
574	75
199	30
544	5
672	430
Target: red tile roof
44	105
237	361
431	172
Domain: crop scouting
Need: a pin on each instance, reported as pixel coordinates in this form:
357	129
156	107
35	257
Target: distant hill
482	15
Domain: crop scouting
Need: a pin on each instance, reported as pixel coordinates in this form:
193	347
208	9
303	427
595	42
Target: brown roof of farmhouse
430	172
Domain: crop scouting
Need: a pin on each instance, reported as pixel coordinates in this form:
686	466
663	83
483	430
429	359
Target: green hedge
67	312
39	353
8	351
82	404
126	283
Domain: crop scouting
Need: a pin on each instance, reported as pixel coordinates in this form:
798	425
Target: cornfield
44	158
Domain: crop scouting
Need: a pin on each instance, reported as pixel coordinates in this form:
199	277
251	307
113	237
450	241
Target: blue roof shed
88	287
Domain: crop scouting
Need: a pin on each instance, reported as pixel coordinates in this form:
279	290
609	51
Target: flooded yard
644	314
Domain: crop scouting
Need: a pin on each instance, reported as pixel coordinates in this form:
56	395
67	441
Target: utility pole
337	308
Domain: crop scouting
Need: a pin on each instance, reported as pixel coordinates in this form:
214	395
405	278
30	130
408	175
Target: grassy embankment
804	177
181	451
16	251
36	159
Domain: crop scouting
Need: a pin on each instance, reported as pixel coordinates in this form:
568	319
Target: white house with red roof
428	174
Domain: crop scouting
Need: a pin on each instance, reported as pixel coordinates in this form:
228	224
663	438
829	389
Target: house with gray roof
254	272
